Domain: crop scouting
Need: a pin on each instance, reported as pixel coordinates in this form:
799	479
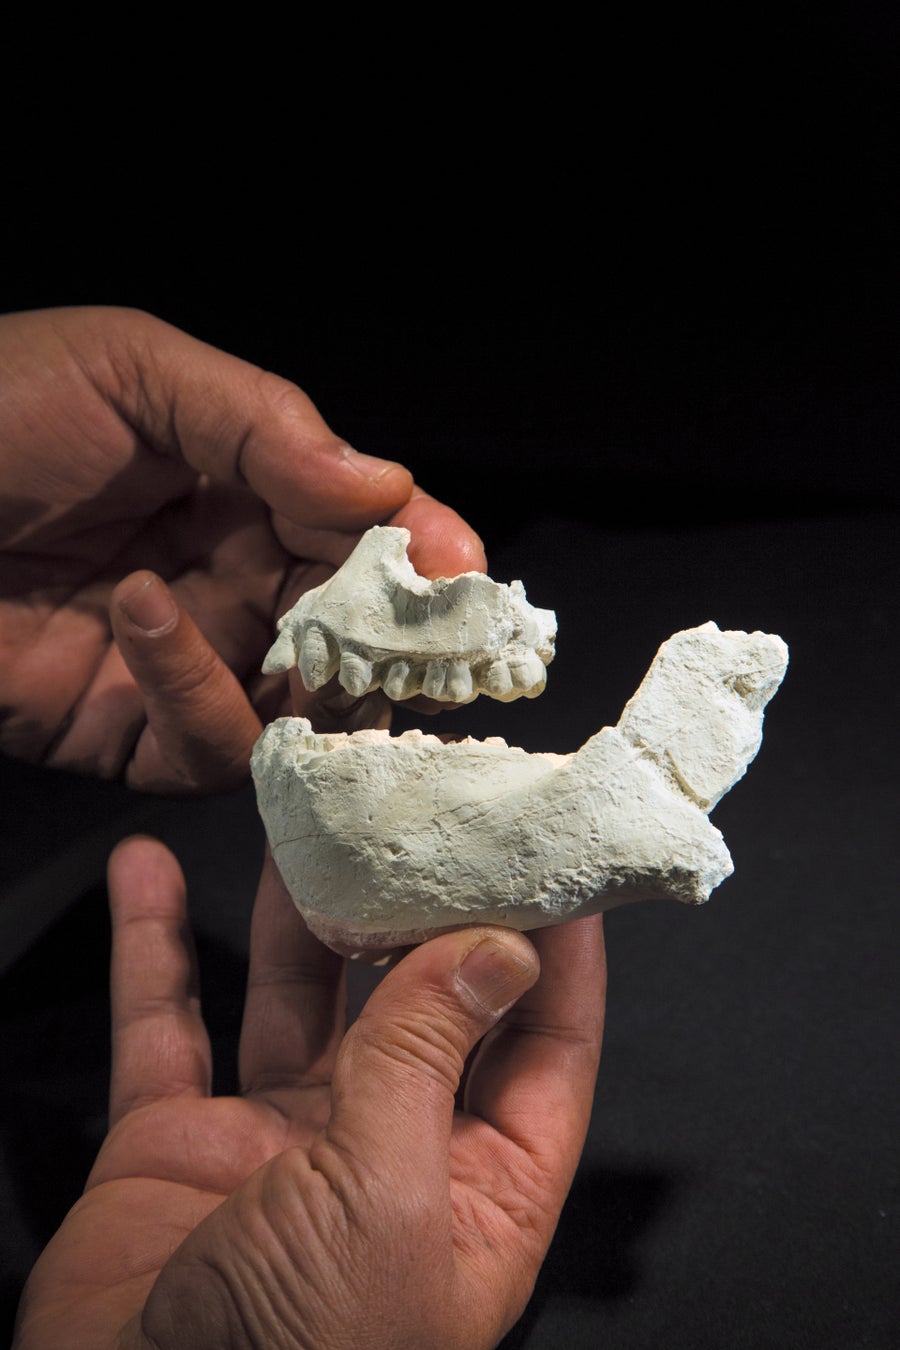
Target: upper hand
341	1201
126	444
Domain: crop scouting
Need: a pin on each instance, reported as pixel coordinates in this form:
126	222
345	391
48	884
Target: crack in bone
377	624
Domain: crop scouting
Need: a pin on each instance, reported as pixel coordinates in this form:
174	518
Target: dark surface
647	342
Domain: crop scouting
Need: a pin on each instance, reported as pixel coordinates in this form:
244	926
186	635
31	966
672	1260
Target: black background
630	304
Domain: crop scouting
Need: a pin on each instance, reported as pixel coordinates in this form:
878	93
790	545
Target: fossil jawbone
384	841
378	624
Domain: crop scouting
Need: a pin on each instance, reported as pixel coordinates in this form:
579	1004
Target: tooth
528	674
318	658
497	680
356	674
396	682
282	655
435	680
459	682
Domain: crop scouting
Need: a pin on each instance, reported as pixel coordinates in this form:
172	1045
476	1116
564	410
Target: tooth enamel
459	682
356	674
378	609
490	834
497	681
435	682
528	674
318	658
397	684
282	655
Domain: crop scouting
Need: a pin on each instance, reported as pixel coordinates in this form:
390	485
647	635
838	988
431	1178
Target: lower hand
342	1200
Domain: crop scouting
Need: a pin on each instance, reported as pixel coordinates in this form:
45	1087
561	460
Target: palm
77	706
149	1189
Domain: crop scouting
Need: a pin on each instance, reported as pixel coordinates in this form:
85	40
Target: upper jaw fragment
378	624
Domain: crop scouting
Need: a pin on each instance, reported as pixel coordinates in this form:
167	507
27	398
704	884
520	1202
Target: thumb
400	1063
200	726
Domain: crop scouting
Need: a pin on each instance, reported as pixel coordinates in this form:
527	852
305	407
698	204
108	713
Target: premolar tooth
459	682
356	674
318	658
396	682
435	680
497	680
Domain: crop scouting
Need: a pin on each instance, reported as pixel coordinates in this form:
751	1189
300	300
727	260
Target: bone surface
377	624
384	841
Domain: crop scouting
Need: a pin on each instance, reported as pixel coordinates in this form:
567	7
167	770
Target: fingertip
486	968
140	846
496	971
141	867
442	543
385	477
144	600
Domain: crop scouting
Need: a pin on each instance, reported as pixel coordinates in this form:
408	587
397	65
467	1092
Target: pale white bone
377	623
384	841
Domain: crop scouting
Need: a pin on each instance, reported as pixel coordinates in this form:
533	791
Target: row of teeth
445	679
307	739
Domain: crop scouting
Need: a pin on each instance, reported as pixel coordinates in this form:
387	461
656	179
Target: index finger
241	425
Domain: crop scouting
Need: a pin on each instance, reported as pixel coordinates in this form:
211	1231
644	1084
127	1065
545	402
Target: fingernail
369	466
494	976
150	607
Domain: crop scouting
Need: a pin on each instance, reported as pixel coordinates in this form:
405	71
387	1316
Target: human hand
126	444
341	1201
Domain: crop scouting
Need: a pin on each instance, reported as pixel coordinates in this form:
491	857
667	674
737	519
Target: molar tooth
497	681
396	683
435	680
528	674
318	657
459	682
356	674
